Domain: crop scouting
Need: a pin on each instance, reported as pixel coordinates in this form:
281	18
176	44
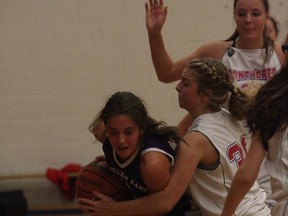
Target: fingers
99	132
146	7
86	209
92	207
161	4
165	11
86	202
154	5
100	158
101	196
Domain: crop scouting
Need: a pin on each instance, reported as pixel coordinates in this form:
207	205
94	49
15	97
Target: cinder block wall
61	59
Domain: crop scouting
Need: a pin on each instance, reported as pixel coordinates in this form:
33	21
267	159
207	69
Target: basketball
96	176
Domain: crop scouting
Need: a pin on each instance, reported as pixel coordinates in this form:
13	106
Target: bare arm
168	71
155	170
156	15
188	157
245	176
184	124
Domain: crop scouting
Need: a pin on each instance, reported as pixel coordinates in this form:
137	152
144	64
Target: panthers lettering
263	75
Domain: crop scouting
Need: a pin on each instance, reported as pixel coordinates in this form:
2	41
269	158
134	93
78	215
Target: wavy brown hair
126	103
269	112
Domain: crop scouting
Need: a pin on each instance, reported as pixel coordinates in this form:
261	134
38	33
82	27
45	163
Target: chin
182	107
251	35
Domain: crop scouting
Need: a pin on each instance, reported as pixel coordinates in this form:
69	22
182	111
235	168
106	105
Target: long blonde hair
212	74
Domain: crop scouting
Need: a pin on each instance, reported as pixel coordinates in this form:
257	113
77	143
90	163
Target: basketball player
139	149
268	119
216	146
251	56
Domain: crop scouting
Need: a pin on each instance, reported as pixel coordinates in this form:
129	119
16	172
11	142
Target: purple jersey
129	171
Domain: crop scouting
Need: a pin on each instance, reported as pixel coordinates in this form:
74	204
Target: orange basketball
96	176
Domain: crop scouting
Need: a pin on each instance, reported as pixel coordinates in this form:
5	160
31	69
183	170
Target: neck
248	44
207	110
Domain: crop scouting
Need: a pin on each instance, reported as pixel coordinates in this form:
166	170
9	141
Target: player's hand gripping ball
96	176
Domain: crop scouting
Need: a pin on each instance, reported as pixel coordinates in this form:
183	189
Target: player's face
188	96
251	18
271	30
124	135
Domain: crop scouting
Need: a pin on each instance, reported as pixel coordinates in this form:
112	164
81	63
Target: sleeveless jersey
248	73
246	69
210	185
129	171
277	167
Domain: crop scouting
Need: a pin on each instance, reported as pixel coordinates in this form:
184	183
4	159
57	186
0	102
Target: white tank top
247	70
210	185
277	166
248	73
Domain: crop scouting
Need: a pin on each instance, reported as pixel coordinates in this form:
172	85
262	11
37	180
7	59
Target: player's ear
206	94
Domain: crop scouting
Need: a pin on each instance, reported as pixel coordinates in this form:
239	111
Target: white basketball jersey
247	70
210	185
248	73
277	167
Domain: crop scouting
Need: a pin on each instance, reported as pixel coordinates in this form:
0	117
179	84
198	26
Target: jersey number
235	152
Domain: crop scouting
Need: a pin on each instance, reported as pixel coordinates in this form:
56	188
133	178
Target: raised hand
156	15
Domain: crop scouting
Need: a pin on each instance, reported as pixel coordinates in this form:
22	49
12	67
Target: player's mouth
123	150
249	30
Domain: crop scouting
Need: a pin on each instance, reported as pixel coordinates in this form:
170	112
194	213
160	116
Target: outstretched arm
188	157
245	176
165	68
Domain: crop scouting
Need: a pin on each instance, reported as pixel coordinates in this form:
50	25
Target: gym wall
61	59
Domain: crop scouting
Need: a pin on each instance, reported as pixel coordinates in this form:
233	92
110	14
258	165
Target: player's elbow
167	76
164	79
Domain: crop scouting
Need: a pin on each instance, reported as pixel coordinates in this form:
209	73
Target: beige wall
61	59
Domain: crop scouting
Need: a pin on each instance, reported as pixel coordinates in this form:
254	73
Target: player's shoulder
160	143
150	141
214	49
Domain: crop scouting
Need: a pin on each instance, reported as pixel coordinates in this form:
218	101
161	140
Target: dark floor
42	197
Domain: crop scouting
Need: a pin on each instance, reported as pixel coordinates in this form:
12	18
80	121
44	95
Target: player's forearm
161	59
240	186
146	205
